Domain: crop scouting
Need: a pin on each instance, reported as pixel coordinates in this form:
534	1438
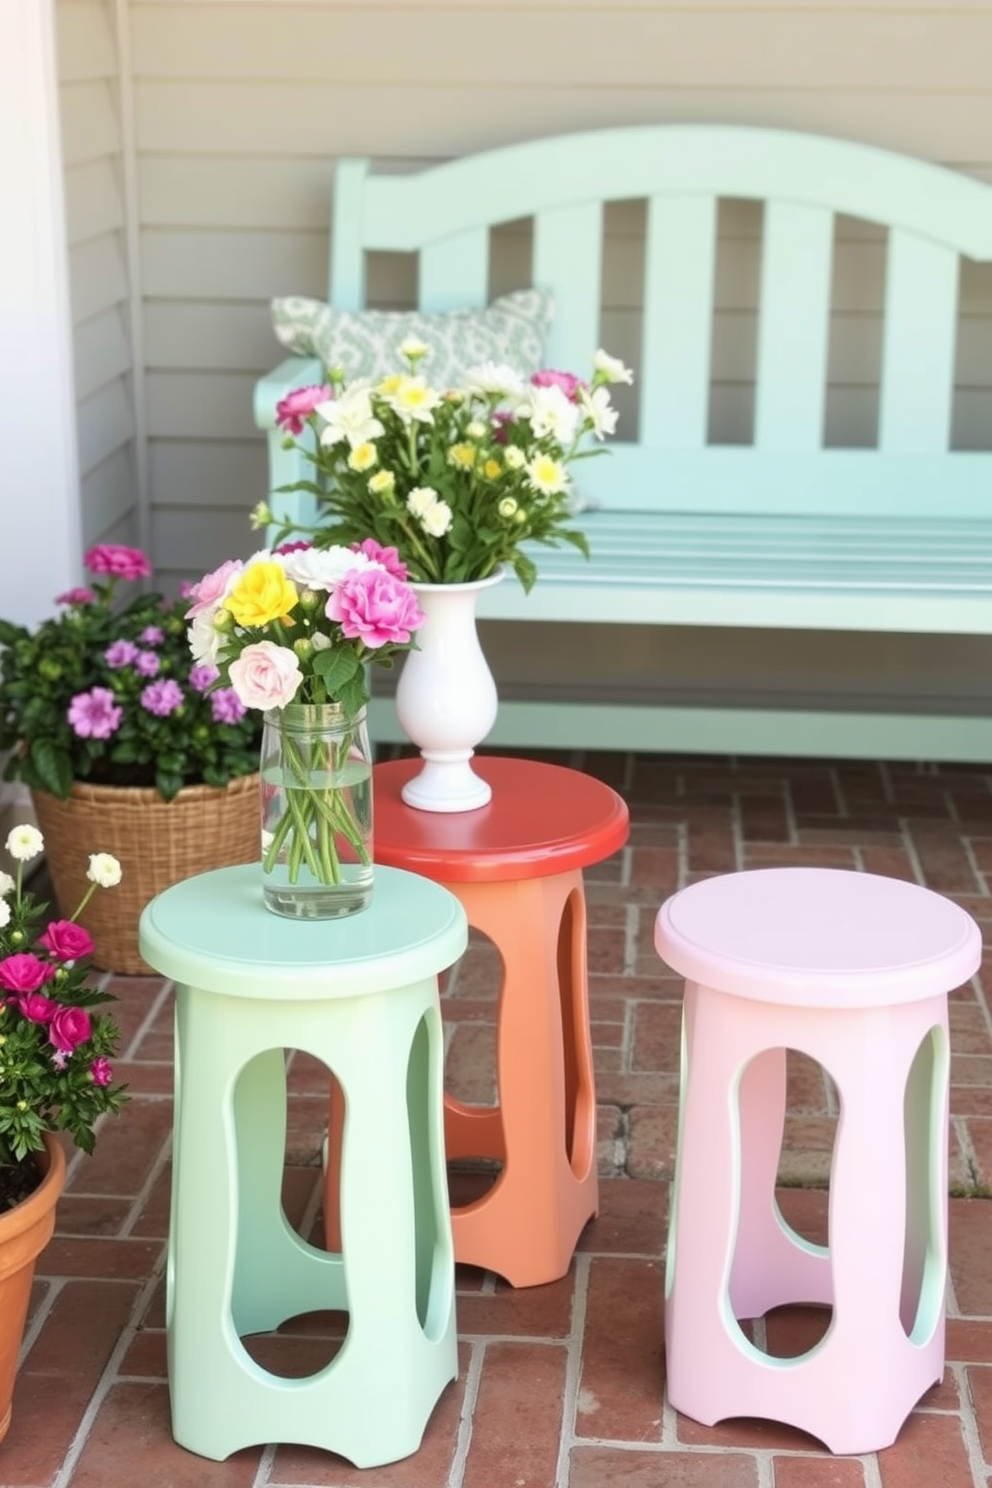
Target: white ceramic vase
446	699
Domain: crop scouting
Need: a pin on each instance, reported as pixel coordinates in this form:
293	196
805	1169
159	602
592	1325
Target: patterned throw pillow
512	331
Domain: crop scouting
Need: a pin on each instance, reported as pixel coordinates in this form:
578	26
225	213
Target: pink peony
78	596
118	561
388	557
94	714
266	675
36	1007
210	589
567	381
374	607
293	411
292	547
24	972
162	698
66	940
101	1071
69	1028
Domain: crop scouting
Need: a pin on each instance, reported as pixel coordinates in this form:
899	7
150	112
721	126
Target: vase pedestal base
322	902
447	783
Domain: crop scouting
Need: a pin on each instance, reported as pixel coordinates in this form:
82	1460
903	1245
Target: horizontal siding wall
243	106
99	285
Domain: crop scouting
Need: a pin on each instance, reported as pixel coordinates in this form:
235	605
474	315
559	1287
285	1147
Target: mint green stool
360	994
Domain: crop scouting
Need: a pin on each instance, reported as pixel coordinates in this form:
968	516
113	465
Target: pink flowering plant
105	691
296	626
461	481
57	1045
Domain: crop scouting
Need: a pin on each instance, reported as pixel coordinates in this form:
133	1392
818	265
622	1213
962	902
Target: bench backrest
932	217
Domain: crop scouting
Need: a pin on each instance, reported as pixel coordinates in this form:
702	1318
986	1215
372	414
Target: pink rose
266	675
374	607
69	1028
293	411
101	1071
36	1007
120	562
388	557
66	940
24	972
210	589
567	381
78	596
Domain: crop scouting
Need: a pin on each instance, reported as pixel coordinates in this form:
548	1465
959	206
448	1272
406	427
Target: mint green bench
782	533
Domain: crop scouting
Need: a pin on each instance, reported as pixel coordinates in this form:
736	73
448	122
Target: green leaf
354	695
52	768
168	784
336	668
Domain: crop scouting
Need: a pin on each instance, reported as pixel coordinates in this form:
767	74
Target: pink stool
853	970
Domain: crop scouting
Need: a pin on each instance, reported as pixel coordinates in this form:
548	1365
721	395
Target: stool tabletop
543	819
821	937
214	932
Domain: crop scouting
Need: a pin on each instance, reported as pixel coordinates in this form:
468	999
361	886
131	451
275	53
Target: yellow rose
262	593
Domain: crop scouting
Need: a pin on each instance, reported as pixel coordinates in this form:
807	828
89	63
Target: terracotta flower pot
157	843
24	1233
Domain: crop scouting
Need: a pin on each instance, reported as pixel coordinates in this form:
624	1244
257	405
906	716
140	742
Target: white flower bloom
413	400
547	475
6	884
436	519
322	568
25	843
508	506
104	870
320	641
494	380
349	417
551	412
598	410
4	913
421	499
514	457
204	640
611	368
476	429
413	348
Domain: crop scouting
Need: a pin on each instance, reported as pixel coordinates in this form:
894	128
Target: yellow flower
262	593
462	456
363	457
389	384
381	482
492	469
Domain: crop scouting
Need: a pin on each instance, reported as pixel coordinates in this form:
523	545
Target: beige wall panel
105	423
232	266
224	192
85	40
94	202
206	336
189	541
200	405
202	473
101	351
97	276
847	47
108	497
308	119
90	125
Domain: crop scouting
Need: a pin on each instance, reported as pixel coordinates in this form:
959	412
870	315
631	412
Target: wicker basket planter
157	842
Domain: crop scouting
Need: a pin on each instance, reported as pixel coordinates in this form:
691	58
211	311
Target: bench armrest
287	466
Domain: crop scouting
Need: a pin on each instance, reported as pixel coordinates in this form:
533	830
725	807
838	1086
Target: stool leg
525	1228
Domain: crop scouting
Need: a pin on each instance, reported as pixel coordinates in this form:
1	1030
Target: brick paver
560	1386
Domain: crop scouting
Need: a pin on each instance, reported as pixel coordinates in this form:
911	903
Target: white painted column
40	523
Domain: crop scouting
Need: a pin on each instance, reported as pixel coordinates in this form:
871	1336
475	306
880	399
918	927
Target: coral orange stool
516	865
853	970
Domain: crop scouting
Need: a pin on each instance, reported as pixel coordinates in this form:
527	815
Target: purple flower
162	698
202	676
94	715
226	706
101	1071
147	663
152	635
120	654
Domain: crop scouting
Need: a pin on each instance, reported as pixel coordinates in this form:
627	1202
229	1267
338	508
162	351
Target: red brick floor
561	1386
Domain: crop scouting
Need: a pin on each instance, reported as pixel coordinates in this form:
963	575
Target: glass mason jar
316	791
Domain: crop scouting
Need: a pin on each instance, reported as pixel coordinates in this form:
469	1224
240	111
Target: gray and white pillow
511	331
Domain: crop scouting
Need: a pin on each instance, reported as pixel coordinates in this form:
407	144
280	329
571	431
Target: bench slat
454	272
680	255
917	388
793	327
568	251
